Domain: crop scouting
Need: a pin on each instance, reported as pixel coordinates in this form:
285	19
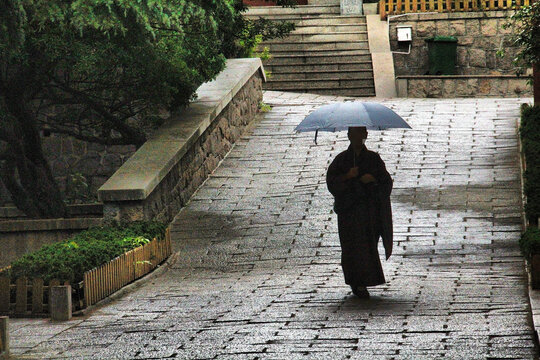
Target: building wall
480	35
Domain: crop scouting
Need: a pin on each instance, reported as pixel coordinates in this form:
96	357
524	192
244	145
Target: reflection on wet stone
258	274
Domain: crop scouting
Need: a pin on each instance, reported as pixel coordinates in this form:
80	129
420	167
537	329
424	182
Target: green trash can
442	55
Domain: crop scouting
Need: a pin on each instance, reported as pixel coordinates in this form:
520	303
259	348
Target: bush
530	242
530	138
68	260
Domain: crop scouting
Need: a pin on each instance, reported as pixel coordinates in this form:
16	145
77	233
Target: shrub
530	242
530	138
68	260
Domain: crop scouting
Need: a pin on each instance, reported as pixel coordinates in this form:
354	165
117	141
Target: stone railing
456	86
158	180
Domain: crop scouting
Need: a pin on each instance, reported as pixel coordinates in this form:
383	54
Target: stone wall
480	35
68	156
158	180
430	86
204	156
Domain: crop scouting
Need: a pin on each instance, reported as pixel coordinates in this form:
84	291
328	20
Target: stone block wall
204	156
480	35
463	86
68	156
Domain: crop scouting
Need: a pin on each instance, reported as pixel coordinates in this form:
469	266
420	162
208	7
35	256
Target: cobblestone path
258	276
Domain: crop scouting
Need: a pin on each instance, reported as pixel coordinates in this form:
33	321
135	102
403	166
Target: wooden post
5	294
382	10
4	337
37	296
21	297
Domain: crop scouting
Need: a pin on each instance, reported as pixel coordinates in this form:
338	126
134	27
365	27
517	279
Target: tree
100	71
526	35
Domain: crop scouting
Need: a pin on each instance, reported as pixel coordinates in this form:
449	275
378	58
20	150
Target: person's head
357	135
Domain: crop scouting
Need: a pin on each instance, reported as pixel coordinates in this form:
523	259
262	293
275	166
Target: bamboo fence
108	278
26	297
396	7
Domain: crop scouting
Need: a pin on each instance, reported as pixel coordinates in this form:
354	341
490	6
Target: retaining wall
158	180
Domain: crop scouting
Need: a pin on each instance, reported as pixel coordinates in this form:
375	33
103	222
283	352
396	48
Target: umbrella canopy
341	116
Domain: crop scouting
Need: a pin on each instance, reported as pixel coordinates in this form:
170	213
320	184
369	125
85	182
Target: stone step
323	2
321	57
354	92
302	67
321	75
315	20
320	38
269	11
333	83
296	47
325	29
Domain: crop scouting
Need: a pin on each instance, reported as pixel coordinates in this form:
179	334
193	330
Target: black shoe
361	292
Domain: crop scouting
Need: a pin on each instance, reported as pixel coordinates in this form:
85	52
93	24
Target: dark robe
364	214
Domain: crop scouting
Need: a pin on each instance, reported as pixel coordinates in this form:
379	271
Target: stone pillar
351	7
60	303
4	337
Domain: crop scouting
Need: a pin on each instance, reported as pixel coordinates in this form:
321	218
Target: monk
361	187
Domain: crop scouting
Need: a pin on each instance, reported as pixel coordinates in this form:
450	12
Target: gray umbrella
341	116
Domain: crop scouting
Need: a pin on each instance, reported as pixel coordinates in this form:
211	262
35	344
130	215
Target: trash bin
442	55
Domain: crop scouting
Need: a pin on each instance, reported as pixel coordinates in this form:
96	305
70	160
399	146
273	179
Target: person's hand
353	172
367	178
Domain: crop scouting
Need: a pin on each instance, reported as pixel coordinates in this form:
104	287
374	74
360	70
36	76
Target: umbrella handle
316	133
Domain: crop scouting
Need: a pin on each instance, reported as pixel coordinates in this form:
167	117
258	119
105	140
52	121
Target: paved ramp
258	276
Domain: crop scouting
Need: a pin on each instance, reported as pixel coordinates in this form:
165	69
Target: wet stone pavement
259	276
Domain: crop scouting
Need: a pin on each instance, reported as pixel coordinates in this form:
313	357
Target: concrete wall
479	34
158	180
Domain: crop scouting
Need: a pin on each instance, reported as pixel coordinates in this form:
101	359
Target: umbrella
341	116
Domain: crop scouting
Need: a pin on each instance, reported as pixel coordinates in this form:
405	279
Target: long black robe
364	214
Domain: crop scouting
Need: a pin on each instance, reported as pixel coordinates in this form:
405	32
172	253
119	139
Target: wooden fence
396	7
106	279
27	297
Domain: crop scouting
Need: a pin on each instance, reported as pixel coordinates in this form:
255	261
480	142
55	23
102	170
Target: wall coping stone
423	77
145	169
7	212
49	224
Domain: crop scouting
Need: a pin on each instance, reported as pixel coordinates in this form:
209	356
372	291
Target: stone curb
161	269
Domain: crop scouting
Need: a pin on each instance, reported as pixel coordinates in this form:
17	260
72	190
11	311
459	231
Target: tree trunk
25	171
536	83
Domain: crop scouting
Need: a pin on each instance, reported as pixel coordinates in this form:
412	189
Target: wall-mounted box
404	33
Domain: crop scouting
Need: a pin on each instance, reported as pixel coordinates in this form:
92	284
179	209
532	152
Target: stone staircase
327	53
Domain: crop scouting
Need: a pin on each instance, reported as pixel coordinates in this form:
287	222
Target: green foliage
105	66
264	107
101	71
525	25
530	138
70	259
530	242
